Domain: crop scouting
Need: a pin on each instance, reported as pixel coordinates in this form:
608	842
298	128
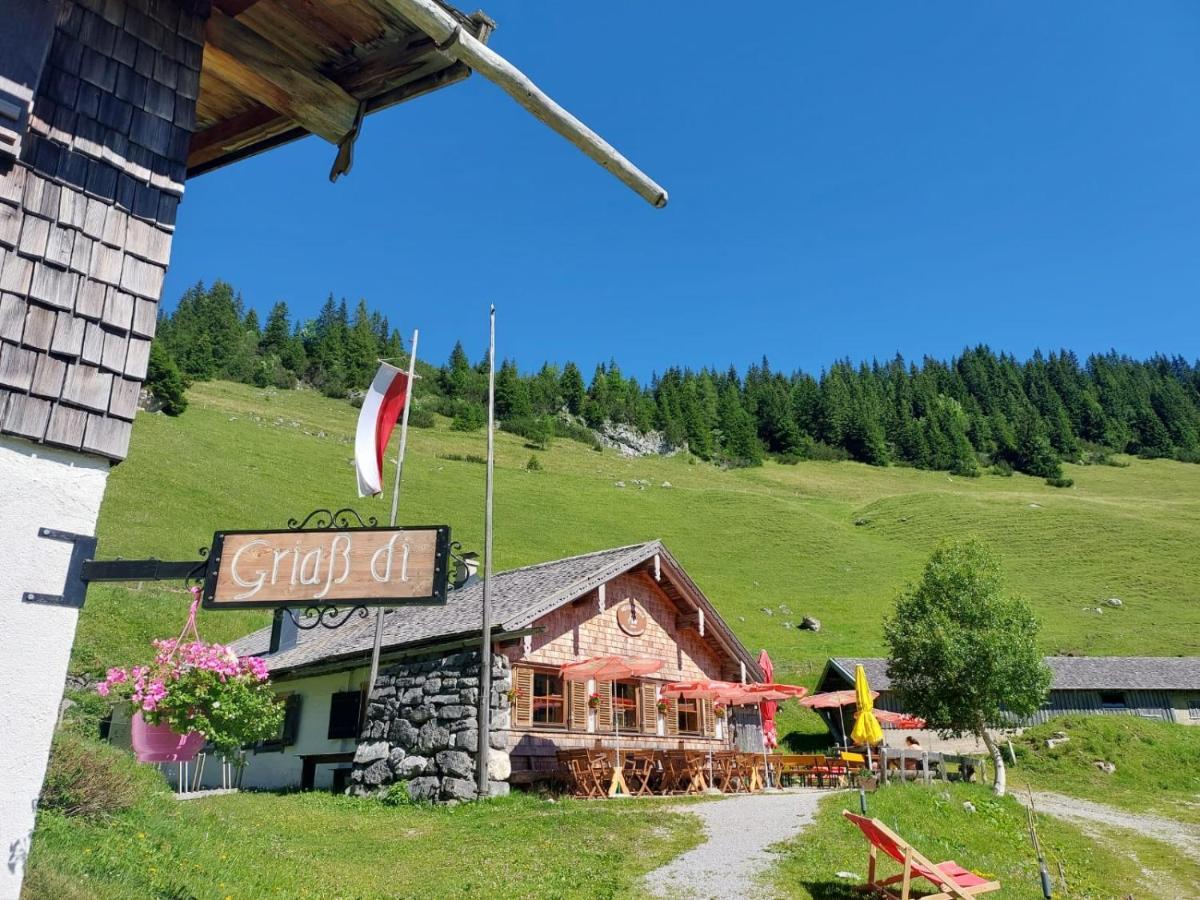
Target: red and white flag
381	409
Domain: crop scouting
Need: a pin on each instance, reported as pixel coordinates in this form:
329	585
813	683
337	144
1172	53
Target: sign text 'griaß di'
364	566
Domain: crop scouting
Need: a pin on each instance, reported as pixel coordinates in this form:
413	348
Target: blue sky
846	180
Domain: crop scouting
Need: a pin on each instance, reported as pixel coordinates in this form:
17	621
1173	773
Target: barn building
1154	687
107	108
634	602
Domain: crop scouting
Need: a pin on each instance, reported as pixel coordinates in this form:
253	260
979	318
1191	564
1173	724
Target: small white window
1194	709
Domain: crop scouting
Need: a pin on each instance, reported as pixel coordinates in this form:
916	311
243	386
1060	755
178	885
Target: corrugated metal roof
1072	673
519	597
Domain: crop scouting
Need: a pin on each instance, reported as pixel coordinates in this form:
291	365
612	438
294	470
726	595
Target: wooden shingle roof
277	70
519	598
1072	673
87	215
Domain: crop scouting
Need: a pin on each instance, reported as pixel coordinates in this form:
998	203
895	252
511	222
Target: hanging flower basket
593	701
662	706
720	710
193	693
158	743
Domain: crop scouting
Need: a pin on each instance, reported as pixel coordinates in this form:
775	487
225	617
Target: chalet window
625	705
288	730
1194	709
344	710
1113	700
549	701
688	712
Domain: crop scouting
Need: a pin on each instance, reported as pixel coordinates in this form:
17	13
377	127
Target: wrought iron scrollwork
198	574
327	518
325	616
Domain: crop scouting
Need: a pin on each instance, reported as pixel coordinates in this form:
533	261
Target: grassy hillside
1158	763
322	846
834	540
991	840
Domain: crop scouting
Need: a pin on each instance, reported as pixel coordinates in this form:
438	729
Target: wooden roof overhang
276	70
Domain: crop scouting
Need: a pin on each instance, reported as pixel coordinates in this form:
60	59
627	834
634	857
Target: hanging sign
328	566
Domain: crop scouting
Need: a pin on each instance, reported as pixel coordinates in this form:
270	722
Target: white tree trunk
1000	784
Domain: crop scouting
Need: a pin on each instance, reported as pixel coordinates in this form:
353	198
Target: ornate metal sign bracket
74	588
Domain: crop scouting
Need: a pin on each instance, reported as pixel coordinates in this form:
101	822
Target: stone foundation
422	729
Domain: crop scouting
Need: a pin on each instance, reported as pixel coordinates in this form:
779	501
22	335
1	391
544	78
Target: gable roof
519	598
1070	673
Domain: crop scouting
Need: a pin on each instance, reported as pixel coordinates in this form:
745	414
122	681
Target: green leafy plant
962	655
198	687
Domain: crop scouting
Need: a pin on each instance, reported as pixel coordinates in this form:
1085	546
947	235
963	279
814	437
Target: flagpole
485	647
412	371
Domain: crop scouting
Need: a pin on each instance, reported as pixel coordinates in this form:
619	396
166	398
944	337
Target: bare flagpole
485	645
408	388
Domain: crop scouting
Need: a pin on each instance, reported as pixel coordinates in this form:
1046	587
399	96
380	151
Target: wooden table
308	770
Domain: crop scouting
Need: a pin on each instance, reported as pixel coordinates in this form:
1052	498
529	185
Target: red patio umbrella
767	708
612	668
838	700
699	690
890	719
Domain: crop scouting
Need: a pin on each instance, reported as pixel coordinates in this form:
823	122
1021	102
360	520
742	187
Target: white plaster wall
281	768
39	486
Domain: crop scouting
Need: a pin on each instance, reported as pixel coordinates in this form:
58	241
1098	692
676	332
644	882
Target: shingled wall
87	215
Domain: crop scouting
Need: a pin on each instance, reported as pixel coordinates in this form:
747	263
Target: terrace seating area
595	773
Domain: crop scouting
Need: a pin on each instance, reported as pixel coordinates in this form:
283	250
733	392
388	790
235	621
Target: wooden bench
310	761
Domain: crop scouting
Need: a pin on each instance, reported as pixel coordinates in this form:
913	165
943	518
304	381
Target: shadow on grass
806	742
832	890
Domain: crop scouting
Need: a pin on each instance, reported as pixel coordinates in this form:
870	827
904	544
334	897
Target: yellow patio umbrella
867	729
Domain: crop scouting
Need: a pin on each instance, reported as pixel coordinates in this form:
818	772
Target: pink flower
102	689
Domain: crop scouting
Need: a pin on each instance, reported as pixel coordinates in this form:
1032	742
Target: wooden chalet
633	602
107	107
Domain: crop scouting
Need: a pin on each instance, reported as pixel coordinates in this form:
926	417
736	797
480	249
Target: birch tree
963	655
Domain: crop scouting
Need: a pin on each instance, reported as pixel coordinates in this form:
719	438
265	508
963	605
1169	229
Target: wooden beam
466	48
254	65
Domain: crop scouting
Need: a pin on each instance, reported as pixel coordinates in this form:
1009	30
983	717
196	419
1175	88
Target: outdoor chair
675	772
640	767
951	879
727	772
587	780
752	771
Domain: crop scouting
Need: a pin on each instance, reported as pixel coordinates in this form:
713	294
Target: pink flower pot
158	743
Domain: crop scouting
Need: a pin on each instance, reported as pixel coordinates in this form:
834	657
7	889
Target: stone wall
422	729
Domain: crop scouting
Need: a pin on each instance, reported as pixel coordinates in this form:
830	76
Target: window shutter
672	717
649	695
25	37
291	720
577	709
523	708
708	721
604	712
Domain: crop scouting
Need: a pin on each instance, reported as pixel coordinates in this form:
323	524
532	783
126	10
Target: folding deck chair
951	879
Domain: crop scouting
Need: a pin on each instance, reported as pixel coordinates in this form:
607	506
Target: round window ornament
631	617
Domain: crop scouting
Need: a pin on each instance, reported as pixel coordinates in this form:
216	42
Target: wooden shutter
708	721
577	709
649	692
25	36
523	706
604	712
672	717
291	720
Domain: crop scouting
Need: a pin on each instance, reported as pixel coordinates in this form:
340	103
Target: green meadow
835	540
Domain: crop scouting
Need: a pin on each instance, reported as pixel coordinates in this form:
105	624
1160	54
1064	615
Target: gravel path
740	829
1180	835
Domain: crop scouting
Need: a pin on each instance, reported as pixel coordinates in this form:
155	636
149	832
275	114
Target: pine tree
573	391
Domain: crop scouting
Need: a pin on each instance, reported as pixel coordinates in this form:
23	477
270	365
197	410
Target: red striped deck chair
950	878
